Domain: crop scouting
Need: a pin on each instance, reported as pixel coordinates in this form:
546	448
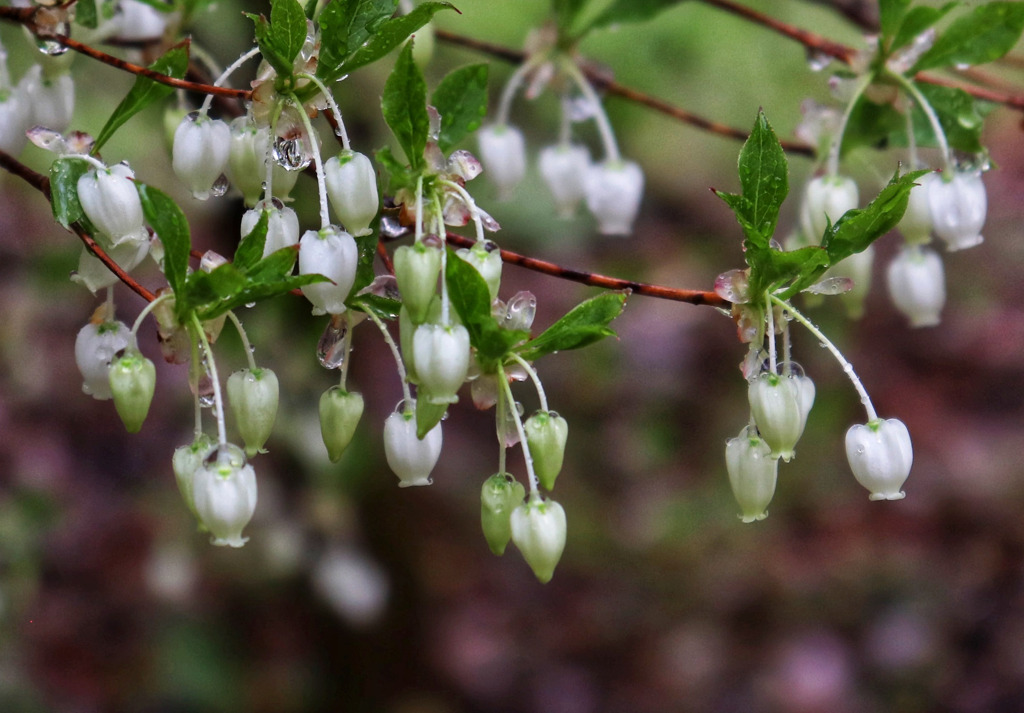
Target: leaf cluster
764	185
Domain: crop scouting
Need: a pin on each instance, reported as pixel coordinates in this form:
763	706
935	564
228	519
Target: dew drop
220	186
391	228
290	154
51	47
330	350
521	310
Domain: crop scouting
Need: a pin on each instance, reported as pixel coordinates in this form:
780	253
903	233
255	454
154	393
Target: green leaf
166	219
770	268
584	324
276	266
344	26
622	11
472	300
890	13
287	29
764	176
64	175
391	34
144	92
86	14
397	174
917	21
765	182
250	249
857	229
983	35
461	100
404	105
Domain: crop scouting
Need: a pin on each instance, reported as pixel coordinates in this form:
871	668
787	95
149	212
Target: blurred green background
353	595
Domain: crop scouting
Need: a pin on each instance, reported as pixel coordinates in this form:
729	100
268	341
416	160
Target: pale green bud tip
253	395
500	495
538	529
132	382
546	434
340	412
753	473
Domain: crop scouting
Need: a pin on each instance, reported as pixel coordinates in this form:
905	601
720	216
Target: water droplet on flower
330	350
391	228
291	154
47	139
220	186
831	286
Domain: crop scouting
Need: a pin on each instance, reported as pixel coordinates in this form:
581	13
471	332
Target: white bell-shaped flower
352	188
410	458
200	153
916	223
780	405
880	456
333	253
917	285
111	202
441	355
185	462
95	347
826	199
486	258
247	163
224	494
958	208
564	168
503	155
51	99
613	191
15	115
282	226
752	473
538	529
95	275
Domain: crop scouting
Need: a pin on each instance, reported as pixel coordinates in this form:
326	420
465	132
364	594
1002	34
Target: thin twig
674	294
612	87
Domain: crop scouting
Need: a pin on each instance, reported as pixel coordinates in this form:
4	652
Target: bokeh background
353	595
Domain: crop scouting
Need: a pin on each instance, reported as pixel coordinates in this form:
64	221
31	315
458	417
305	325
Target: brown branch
149	73
846	54
42	184
674	294
808	39
616	89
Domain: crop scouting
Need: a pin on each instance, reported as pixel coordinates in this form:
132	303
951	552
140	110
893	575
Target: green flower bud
186	461
538	529
340	412
500	495
546	433
417	268
132	382
253	395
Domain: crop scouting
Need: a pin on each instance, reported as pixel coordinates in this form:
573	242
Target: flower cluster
612	188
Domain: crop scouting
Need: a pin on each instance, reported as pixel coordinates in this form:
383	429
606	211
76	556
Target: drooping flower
330	252
352	188
200	154
752	473
500	495
503	155
917	285
409	457
95	347
880	456
613	191
538	529
132	383
564	168
826	199
546	434
780	405
253	395
111	202
224	493
441	355
958	208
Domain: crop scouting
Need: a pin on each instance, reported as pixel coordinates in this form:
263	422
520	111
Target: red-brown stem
674	294
846	54
808	39
614	88
42	184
